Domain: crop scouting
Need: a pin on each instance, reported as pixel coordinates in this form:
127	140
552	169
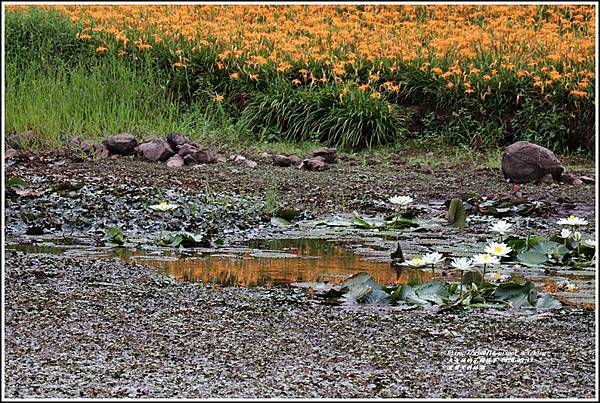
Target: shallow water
282	262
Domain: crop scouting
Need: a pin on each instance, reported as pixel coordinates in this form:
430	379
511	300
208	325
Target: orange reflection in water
321	261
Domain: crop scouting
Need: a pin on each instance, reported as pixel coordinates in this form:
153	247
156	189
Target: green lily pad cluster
501	207
406	220
361	288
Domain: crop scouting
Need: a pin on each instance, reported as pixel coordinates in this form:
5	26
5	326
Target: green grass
97	101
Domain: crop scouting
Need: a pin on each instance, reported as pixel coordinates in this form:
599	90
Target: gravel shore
80	327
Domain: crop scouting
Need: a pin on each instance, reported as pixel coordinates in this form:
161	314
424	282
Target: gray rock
155	150
282	160
524	162
314	164
190	151
176	139
121	144
328	154
175	161
205	156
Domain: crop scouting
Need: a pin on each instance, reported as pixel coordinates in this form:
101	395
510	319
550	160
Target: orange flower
578	93
101	49
234	76
219	98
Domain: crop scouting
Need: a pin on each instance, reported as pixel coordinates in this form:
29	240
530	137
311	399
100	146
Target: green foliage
335	116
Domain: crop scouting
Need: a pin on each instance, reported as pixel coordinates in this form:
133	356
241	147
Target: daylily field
346	75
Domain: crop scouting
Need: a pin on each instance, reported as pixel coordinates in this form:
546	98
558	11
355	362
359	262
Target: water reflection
317	260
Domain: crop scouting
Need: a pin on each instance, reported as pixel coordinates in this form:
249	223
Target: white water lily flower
501	227
401	201
462	264
498	249
485	258
590	243
416	261
164	206
572	220
565	233
433	258
577	236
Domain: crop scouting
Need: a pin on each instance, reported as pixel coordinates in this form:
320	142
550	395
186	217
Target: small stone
282	160
175	161
249	163
587	179
328	154
11	153
238	158
313	164
121	144
221	159
155	150
577	182
295	160
265	155
547	179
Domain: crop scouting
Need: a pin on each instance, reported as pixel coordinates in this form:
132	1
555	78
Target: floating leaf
18	182
546	301
532	258
551	248
516	293
288	213
114	235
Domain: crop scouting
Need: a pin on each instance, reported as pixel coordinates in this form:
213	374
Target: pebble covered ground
80	327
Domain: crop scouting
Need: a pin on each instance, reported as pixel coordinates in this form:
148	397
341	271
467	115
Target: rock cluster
317	162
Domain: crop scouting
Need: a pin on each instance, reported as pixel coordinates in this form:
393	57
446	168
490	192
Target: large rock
314	164
121	144
328	154
524	162
175	140
155	150
282	160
